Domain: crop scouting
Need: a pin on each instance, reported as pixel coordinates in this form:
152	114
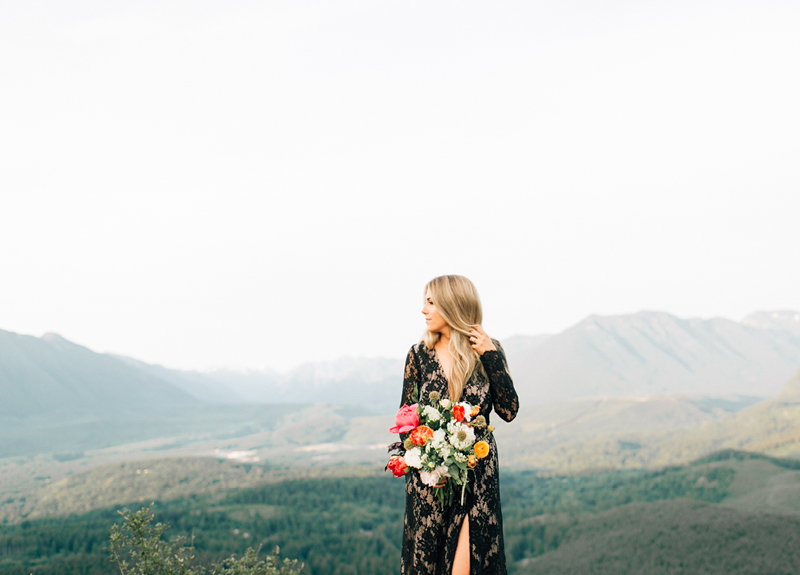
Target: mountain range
656	353
50	375
62	399
372	382
641	354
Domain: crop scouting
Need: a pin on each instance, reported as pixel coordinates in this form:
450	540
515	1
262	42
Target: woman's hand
479	341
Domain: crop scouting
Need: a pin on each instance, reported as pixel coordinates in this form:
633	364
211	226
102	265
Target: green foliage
615	522
146	551
737	455
673	537
250	564
345	526
152	480
138	548
601	491
547	509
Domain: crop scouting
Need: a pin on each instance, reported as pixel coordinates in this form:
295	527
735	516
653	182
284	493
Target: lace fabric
430	533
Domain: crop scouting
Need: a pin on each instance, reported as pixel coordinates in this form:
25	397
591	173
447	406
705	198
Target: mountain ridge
787	320
655	353
52	374
642	354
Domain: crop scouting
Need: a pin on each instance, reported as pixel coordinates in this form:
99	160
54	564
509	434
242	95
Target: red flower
458	412
397	465
406	419
421	435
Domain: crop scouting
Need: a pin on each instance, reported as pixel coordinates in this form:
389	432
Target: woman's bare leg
461	560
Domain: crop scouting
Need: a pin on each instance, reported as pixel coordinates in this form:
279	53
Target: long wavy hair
457	301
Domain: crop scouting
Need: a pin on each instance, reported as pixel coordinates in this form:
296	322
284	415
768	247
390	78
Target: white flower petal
413	458
431	413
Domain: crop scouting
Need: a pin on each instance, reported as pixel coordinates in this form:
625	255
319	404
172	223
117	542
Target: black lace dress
430	533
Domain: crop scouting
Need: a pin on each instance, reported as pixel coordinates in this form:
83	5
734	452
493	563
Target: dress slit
468	542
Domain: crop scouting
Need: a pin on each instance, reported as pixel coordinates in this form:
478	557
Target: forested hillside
695	519
771	427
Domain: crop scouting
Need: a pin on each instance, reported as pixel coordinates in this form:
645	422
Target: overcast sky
252	184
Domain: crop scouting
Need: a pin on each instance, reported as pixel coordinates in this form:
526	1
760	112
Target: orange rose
481	449
475	411
421	435
471	461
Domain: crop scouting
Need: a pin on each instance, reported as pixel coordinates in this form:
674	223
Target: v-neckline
439	363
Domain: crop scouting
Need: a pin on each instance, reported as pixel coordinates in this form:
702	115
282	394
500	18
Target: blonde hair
457	301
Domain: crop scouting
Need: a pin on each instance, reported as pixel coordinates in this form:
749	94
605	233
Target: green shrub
139	548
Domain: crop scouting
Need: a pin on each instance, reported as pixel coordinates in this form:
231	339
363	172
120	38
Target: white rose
413	458
428	478
433	478
431	413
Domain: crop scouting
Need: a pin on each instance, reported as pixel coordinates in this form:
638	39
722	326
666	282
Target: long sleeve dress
430	533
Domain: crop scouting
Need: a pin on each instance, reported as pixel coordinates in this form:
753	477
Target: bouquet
443	444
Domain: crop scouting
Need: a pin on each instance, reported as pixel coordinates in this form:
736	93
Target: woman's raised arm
504	396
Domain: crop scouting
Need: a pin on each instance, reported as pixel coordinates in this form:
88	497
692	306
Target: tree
139	548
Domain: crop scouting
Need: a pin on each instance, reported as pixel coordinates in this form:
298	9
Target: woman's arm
411	380
504	396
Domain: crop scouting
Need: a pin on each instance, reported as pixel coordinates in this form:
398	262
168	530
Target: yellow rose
481	449
490	428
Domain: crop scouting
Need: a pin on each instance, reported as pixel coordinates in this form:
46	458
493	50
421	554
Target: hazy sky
260	183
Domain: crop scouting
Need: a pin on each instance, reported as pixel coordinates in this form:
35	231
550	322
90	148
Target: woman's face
433	320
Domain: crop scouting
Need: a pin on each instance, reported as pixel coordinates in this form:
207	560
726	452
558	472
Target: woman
457	359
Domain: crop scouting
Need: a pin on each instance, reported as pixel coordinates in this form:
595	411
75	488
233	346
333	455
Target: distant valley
623	392
631	428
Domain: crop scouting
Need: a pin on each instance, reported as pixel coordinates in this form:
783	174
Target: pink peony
406	419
